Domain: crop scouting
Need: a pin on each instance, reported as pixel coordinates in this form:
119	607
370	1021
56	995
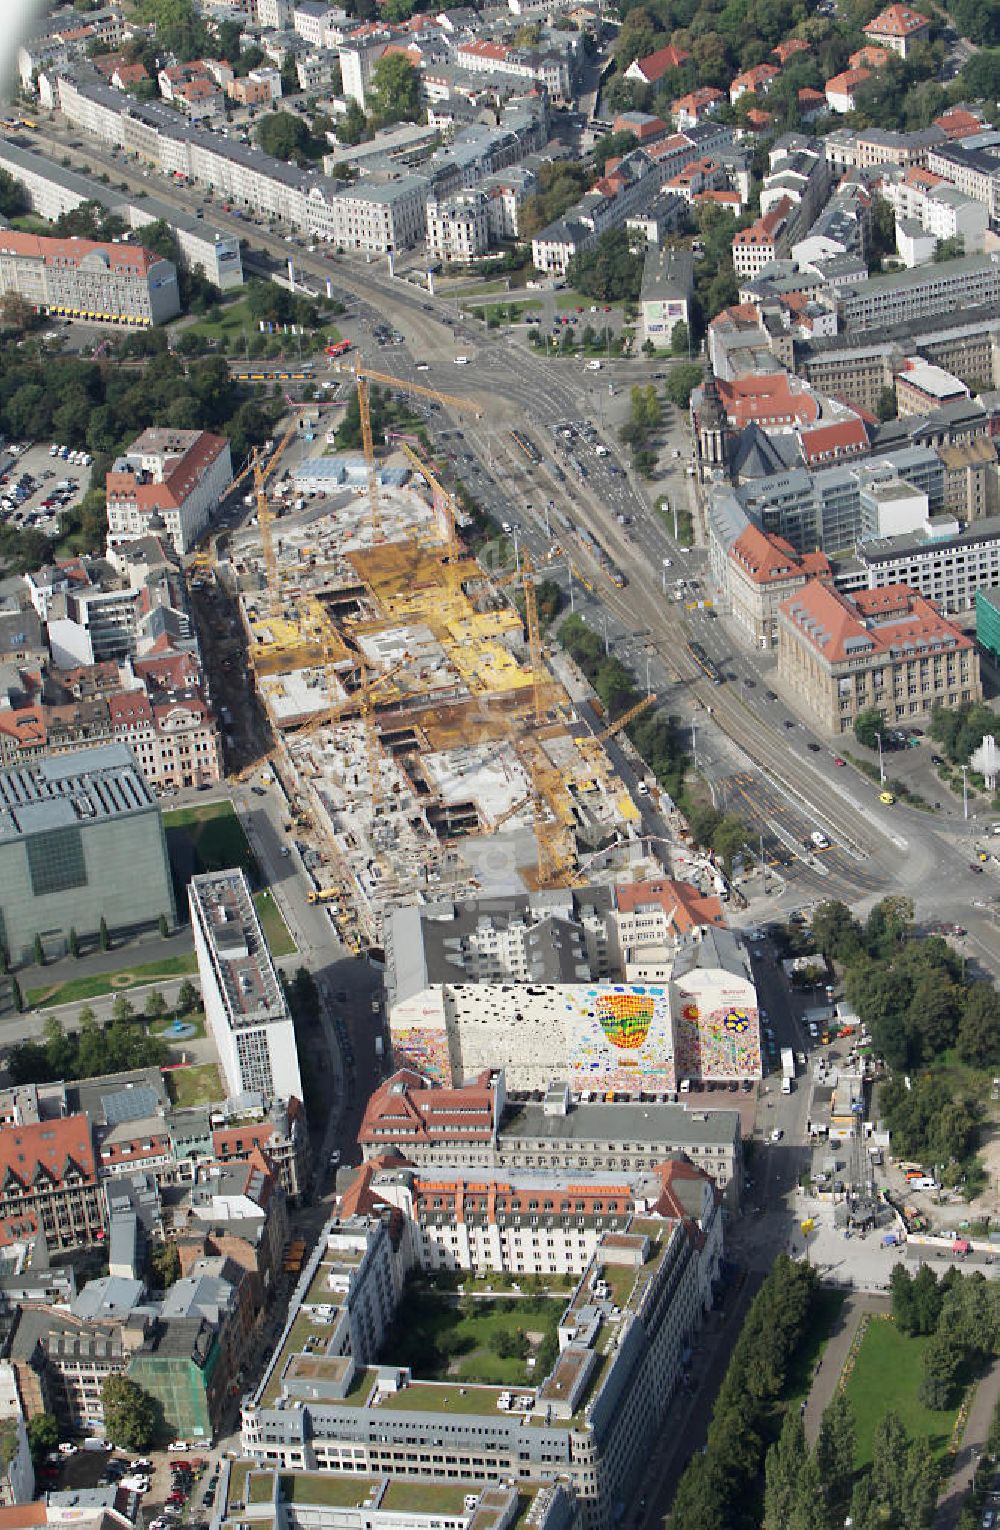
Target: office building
244	1002
545	987
81	278
476	1126
17	1476
53	189
988	620
667	290
169	480
888	649
901	297
81	840
762	570
647	1249
940	561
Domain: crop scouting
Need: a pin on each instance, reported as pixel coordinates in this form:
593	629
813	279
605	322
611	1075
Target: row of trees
960	730
609	272
656	736
93	1049
645	417
720	1486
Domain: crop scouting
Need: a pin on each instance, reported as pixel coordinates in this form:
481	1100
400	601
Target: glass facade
56	862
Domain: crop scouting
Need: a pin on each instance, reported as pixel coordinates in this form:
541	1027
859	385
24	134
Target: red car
838	761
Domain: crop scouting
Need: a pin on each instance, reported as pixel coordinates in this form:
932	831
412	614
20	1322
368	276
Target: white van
593	366
819	840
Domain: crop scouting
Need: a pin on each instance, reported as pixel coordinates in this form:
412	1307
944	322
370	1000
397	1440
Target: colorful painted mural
618	1037
423	1048
722	1042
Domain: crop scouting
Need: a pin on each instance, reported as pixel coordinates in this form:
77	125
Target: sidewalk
973	1444
827	1376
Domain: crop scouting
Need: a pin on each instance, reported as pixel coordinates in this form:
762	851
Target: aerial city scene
500	765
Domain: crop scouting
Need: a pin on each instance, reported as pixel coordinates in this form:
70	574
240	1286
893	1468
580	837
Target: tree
163	927
17	998
103	936
979	1027
155	1006
680	339
17	313
867	727
394	93
122	1009
13	197
38	952
187	997
835	1443
886	406
164	1264
352	126
610	271
283	135
681	383
782	1465
43	1436
130	1414
836	932
73	942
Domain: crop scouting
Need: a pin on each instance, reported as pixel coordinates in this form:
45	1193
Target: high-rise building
81	839
244	1003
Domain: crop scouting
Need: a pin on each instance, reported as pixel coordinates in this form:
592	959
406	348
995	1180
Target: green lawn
237	321
276	931
199	1085
434	1336
77	990
885	1377
323	1488
208	837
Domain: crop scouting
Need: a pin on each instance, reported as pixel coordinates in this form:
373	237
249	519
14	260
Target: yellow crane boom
526	578
363	378
624	720
443	498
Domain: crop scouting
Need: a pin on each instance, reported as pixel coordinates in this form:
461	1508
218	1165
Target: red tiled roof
769	559
655	65
896	21
129	74
783	51
809	97
869	622
840	439
496	51
758	118
181	477
23	1515
47	1146
842	84
958	123
63	252
688	908
871	55
697	100
407	1103
766	226
772	399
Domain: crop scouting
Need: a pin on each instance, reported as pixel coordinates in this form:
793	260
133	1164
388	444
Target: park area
885	1378
208	837
494	1341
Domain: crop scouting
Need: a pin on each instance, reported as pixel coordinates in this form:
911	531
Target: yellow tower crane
442	499
525	576
363	378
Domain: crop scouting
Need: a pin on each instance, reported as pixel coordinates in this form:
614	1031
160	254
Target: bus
704	663
339	348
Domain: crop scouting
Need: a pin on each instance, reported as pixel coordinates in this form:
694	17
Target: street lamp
965	791
881	767
694	741
648	692
517	554
663	575
607	645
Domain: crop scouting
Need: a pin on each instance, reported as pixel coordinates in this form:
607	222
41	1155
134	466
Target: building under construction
418	727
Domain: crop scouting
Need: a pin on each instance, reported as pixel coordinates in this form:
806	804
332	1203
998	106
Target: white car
178	1447
777	1134
66	1449
593	366
461	361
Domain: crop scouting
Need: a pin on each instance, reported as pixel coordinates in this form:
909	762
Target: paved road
972	1446
826	1378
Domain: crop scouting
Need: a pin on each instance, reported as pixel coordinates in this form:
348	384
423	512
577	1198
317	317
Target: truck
787	1069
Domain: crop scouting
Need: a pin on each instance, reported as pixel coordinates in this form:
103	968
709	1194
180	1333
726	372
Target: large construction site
419	731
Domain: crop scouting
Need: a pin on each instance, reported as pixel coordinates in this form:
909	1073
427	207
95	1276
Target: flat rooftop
89	786
227	918
615	1124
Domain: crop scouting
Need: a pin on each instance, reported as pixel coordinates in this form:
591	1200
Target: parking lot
170	1487
37	486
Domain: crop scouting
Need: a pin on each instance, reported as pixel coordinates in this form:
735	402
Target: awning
961	1246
